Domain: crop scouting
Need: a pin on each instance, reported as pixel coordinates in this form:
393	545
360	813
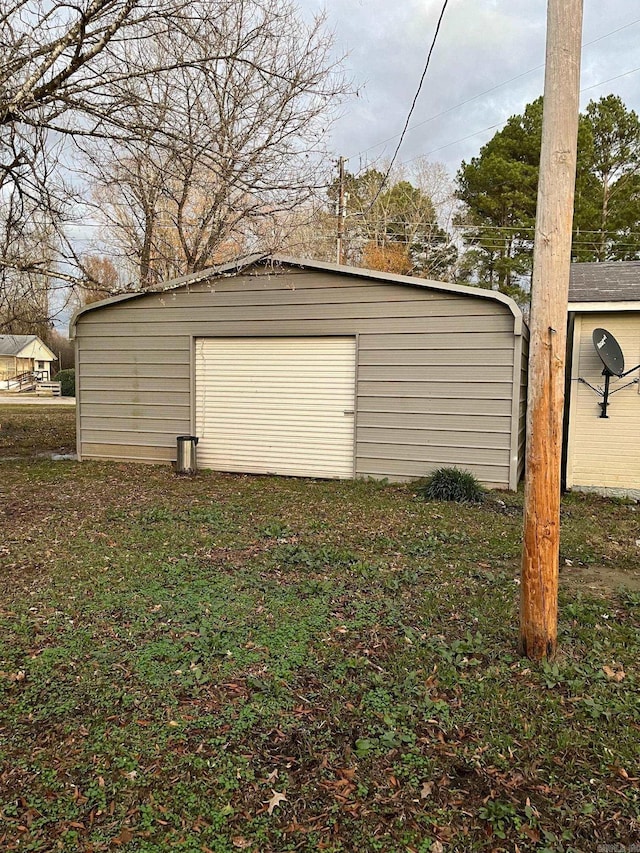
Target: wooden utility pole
549	297
342	213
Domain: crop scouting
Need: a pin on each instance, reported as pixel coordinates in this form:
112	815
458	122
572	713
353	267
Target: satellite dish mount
611	356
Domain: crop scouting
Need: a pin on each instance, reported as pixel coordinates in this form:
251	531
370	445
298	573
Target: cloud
480	46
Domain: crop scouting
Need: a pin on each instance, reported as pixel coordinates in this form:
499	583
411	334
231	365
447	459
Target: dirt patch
599	579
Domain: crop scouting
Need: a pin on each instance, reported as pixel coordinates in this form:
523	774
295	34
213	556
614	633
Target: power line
480	229
413	103
504	121
611	79
498	86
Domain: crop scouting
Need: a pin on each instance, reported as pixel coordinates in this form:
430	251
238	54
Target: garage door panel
267	439
244	414
264	431
285	402
276	405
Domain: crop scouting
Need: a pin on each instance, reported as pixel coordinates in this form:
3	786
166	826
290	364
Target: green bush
67	380
451	484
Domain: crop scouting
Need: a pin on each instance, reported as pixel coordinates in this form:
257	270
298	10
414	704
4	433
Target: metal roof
610	281
276	261
14	344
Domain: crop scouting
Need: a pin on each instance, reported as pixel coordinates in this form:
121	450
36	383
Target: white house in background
602	454
23	360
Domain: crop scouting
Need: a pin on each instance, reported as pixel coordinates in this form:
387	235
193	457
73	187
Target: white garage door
276	405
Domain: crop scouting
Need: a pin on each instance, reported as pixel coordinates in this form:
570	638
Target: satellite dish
610	354
609	351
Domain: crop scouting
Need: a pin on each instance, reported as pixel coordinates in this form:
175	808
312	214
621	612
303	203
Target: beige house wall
602	453
7	366
11	366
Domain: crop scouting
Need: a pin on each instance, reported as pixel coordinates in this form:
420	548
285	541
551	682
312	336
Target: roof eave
237	266
191	278
604	305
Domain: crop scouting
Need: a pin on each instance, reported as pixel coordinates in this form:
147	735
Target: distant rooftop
13	344
611	281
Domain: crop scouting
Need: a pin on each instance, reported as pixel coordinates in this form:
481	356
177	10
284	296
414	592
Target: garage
305	368
276	405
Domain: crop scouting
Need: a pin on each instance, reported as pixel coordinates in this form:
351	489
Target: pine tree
499	189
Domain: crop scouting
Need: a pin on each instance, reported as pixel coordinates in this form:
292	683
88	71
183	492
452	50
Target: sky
481	45
487	65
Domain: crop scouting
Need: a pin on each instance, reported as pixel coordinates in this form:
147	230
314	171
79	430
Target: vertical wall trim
355	404
78	401
515	413
192	384
573	402
571	321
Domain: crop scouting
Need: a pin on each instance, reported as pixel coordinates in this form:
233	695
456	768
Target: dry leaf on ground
275	801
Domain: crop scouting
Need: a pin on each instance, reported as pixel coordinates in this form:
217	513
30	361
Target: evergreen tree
606	227
499	189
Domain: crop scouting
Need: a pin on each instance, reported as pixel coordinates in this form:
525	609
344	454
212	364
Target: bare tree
307	231
249	148
101	279
175	104
60	64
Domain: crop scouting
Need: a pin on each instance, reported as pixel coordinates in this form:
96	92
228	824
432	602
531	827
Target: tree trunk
602	249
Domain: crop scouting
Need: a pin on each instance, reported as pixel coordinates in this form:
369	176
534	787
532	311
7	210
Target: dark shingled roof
612	281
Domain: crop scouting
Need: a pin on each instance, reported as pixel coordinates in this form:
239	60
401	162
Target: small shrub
315	559
275	530
67	380
451	484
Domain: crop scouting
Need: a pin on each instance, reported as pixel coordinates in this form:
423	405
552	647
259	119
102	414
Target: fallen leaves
615	672
426	791
14	676
342	788
531	833
124	838
277	798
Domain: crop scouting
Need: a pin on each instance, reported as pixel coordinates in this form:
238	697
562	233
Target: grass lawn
234	663
30	429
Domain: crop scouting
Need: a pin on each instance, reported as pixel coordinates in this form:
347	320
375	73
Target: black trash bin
186	454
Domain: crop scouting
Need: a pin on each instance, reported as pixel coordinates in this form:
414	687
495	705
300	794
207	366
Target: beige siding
602	453
435	370
134	396
420	408
139	328
7	366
